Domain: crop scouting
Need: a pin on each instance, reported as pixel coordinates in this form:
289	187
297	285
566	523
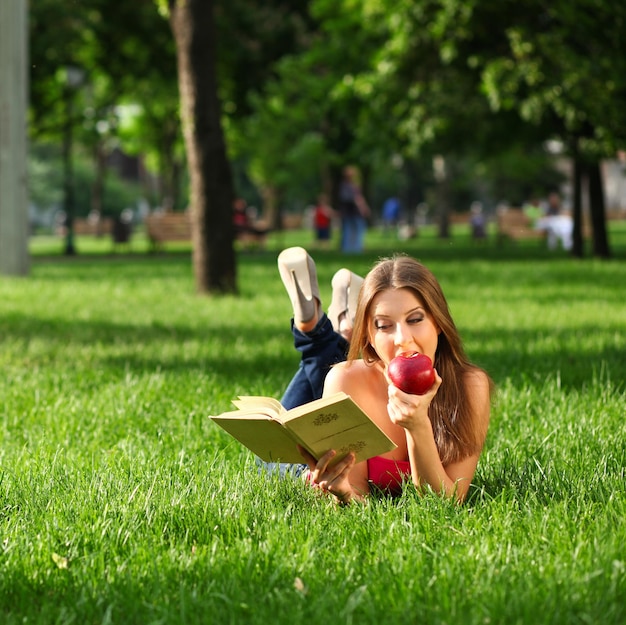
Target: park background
440	103
120	502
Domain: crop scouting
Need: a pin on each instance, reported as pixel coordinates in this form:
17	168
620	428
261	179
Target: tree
13	191
555	71
380	79
457	77
135	54
306	118
127	59
212	195
564	66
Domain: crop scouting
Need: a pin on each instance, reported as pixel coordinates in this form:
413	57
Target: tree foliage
126	57
310	85
563	67
453	77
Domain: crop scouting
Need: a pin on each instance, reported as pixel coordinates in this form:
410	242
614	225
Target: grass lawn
120	502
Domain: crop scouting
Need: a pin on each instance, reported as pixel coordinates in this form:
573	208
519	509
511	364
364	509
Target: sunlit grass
120	502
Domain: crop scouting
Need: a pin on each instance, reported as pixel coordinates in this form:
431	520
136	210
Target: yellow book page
263	405
337	422
264	436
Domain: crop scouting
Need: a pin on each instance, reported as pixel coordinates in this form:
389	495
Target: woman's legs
320	350
314	337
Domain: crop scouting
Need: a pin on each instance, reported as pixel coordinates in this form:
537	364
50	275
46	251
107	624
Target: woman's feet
346	287
297	271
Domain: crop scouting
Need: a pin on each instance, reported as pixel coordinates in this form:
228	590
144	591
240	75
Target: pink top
387	475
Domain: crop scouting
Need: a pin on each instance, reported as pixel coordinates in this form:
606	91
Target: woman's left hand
333	480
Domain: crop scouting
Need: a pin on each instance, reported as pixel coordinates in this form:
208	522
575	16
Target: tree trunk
271	211
69	197
442	209
598	216
578	249
14	256
212	195
100	167
167	173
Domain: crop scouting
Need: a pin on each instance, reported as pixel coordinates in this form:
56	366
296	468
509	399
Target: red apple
412	373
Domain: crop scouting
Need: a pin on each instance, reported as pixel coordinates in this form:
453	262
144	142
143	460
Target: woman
439	435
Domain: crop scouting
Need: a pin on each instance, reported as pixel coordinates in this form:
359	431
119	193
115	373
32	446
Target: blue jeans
320	348
353	229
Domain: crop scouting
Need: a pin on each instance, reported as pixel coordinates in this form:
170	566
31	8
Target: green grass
120	502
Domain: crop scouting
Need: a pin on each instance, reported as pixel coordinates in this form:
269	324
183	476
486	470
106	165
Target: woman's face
399	323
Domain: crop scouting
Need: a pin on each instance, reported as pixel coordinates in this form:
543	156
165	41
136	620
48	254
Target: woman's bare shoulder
345	376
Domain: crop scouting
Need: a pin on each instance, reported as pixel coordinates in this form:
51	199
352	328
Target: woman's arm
411	412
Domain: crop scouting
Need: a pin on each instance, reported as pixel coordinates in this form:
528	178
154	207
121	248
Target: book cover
334	422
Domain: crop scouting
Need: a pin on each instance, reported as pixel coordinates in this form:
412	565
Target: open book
334	422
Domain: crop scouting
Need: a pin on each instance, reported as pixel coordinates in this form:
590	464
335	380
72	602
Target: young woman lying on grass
399	307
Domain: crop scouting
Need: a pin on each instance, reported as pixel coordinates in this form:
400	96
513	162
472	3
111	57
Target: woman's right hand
410	411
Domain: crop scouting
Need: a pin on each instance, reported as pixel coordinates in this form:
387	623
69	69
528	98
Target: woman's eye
415	320
379	325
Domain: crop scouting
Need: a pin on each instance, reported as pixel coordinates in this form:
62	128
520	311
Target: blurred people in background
323	216
533	210
354	212
554	204
558	226
478	223
391	214
245	226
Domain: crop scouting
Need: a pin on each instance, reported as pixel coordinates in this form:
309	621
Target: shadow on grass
508	354
520	356
94	268
126	347
521	359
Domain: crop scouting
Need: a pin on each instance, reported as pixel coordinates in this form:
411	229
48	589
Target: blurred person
478	223
323	215
532	209
554	204
558	225
244	225
391	214
354	212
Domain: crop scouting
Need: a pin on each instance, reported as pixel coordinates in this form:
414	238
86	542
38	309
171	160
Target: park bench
459	219
95	227
99	227
292	221
162	227
515	224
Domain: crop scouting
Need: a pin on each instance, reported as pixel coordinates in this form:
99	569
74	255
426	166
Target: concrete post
14	257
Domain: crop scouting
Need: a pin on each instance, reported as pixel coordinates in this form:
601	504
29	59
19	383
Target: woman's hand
410	411
333	480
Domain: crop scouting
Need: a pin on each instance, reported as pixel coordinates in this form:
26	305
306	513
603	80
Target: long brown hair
456	435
